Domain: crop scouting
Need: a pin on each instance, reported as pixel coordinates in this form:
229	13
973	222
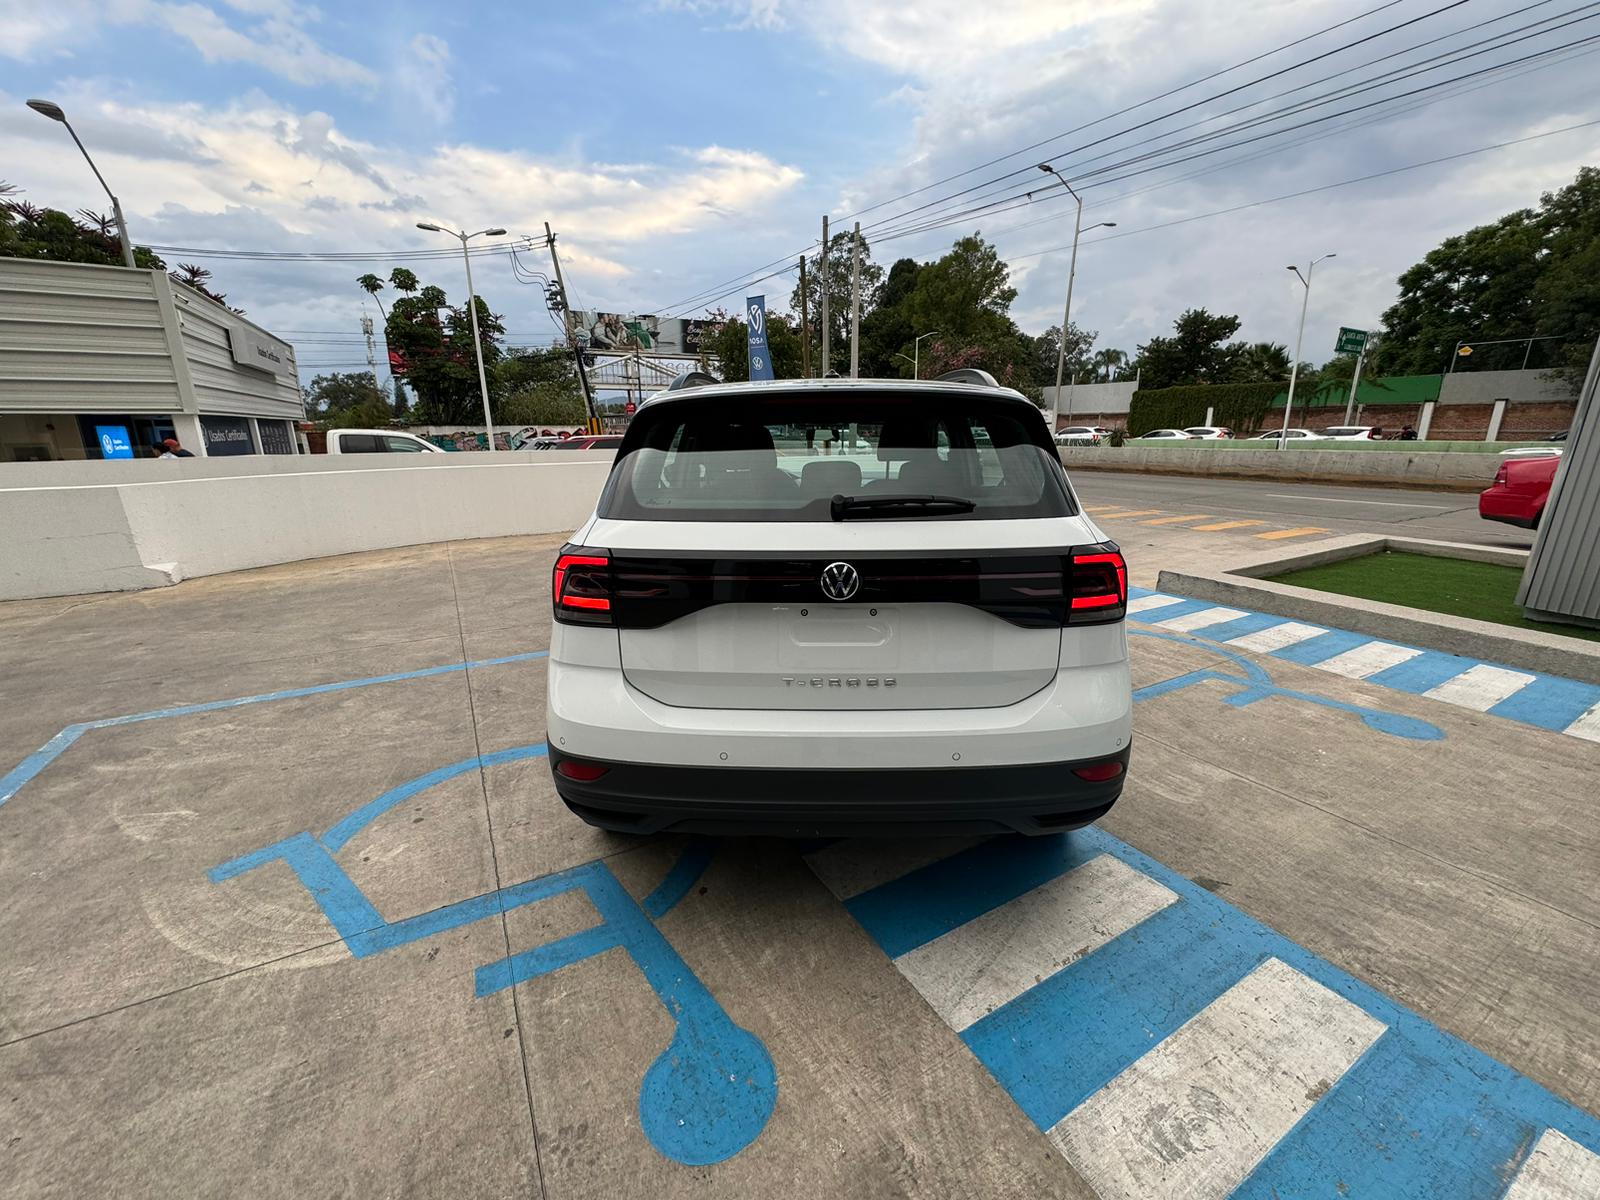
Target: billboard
654	335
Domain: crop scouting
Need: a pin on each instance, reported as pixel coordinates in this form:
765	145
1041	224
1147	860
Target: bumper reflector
1099	772
582	772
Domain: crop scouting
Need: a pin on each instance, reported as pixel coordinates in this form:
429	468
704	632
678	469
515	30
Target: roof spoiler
970	375
691	379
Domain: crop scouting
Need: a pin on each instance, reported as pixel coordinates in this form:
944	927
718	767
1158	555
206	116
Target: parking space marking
1207	1105
1558	1169
1142	512
847	873
1276	637
1176	520
1199	620
1368	659
1481	687
1221	525
1279	534
975	968
1200	1053
1569	706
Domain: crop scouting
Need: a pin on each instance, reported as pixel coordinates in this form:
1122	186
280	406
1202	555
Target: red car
1521	488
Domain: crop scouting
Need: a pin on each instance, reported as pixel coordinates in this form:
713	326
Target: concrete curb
1243	587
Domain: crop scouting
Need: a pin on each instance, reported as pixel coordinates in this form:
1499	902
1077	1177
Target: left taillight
1097	586
580	586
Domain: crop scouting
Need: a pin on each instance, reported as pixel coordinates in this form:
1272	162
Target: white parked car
1352	433
1168	433
753	636
1078	435
1302	435
1209	433
378	441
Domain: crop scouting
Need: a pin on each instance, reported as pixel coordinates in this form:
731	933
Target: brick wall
1455	422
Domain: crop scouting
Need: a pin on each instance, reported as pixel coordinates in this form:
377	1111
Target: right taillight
1502	476
1097	586
580	586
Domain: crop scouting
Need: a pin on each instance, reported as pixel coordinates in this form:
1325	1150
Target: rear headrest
732	437
901	439
826	477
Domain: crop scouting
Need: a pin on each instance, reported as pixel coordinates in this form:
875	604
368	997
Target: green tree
728	344
436	351
347	399
537	387
1194	354
1567	297
1108	364
1257	362
837	281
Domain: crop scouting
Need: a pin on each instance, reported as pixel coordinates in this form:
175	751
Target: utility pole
827	326
1355	382
855	302
572	341
805	326
1066	315
372	354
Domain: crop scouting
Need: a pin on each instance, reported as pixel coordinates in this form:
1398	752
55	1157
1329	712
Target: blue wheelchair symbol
710	1092
1255	684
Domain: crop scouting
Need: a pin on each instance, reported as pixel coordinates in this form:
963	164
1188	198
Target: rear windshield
758	458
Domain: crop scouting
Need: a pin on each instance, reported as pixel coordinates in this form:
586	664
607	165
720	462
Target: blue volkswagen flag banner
755	313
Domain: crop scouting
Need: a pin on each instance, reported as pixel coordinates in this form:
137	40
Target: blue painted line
1166	612
1422	1115
685	873
542	960
15	779
1322	647
1428	670
916	908
1240	627
1549	702
1063	1040
342	902
339	836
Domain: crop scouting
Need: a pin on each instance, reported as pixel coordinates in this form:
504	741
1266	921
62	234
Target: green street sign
1351	341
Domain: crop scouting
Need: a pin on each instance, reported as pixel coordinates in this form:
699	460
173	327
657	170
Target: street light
53	111
916	352
472	308
1072	272
1294	367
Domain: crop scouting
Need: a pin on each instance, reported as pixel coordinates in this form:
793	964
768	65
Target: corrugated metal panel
1563	575
220	383
81	338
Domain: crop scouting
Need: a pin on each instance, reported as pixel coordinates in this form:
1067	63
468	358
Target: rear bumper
1030	798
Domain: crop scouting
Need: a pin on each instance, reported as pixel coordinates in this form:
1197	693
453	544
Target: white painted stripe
1199	620
1558	1169
1587	726
848	868
1368	660
992	959
1481	687
1196	1114
1153	600
1276	637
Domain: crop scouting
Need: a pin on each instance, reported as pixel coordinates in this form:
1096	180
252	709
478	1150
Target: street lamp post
916	352
1072	273
1294	367
53	111
472	308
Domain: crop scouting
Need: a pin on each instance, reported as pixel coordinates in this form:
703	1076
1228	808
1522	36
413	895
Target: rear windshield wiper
843	508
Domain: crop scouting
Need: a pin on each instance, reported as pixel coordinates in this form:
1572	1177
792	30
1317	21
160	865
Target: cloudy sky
678	146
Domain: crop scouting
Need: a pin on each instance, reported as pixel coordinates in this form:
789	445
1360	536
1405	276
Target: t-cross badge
823	607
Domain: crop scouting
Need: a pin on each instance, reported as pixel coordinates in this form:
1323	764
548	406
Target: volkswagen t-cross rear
820	607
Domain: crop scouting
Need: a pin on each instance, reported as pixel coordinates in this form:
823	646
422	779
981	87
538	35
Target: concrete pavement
169	1027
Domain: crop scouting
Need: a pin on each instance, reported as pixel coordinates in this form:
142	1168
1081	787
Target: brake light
580	588
1502	477
1098	586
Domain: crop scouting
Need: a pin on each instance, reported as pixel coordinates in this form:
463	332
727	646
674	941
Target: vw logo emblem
840	581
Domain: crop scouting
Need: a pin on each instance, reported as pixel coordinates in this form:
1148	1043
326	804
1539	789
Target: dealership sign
653	335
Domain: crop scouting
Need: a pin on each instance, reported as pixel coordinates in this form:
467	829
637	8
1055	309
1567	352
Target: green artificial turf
1483	591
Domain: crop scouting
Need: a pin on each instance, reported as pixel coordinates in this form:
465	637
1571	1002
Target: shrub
1239	406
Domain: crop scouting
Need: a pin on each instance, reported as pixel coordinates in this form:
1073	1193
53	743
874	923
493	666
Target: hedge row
1240	406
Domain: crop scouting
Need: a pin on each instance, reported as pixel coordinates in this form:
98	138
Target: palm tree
1106	362
372	285
195	276
98	222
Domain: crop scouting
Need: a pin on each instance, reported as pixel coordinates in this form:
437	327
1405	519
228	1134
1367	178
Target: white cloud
426	68
274	39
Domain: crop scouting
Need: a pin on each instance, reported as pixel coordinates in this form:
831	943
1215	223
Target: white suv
820	607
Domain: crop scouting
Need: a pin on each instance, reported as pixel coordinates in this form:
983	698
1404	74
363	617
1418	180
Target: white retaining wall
70	528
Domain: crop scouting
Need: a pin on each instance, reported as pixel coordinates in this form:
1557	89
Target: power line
350	255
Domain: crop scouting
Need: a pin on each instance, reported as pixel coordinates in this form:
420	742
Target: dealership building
105	362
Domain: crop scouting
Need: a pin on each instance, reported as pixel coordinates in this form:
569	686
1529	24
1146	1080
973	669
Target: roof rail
691	379
970	375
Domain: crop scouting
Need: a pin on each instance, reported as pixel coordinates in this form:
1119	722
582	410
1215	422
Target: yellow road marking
1289	533
1227	525
1143	512
1100	508
1175	520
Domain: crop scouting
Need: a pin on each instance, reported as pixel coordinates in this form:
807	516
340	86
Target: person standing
170	448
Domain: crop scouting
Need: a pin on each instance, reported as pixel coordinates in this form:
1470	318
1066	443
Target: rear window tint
758	458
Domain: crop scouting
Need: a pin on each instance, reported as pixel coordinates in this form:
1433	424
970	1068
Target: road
1443	516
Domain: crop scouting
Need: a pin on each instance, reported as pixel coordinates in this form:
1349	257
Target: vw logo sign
840	581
